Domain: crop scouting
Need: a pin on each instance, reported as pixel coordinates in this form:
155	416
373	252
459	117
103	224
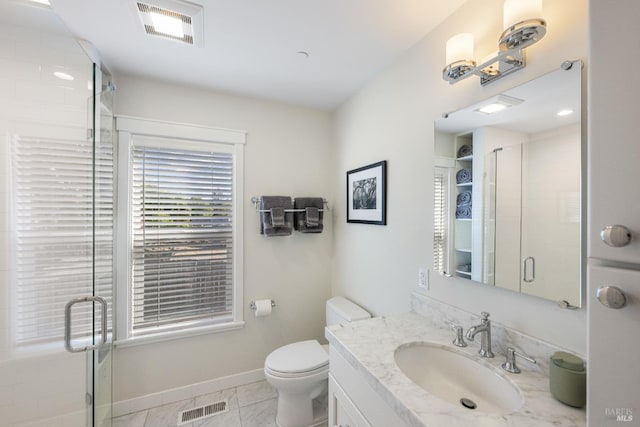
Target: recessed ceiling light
63	76
566	112
44	2
172	19
498	103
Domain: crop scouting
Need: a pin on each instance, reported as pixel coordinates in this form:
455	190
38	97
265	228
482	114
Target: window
53	249
181	194
440	216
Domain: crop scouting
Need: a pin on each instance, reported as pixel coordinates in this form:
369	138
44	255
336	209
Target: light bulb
516	11
459	48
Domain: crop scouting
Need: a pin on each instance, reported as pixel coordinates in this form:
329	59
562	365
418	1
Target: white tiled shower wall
37	388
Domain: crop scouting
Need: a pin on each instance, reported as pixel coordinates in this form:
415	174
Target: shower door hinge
89	399
89	133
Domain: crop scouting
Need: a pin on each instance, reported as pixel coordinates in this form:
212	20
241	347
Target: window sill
173	335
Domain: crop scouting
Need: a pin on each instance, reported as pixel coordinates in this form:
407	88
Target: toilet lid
303	356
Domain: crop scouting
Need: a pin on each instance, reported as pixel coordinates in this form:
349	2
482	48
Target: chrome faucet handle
484	316
459	339
510	364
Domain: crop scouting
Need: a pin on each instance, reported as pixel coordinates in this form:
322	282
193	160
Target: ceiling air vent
172	19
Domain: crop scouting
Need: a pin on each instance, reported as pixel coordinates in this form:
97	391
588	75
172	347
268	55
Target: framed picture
367	194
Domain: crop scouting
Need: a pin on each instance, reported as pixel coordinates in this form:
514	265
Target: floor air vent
205	411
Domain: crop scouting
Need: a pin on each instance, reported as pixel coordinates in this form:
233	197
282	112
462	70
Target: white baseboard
149	401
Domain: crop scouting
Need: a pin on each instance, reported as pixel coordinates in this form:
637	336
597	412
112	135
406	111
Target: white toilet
299	371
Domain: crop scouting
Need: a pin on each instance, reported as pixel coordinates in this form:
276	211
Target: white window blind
440	218
182	232
53	248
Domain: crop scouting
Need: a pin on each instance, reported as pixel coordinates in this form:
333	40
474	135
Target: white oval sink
457	378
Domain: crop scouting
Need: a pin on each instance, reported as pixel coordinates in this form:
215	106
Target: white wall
392	118
288	152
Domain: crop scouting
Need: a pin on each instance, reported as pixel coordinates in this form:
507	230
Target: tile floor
251	405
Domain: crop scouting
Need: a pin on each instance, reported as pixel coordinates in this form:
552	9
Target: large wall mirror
507	184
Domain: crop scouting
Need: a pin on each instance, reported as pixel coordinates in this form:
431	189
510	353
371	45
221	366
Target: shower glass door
99	360
55	227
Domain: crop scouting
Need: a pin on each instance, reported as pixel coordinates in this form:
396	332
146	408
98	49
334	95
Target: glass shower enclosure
56	225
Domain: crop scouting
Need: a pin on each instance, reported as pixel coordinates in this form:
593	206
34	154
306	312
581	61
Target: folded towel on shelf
309	221
464	267
463	176
465	150
274	221
463	212
464	198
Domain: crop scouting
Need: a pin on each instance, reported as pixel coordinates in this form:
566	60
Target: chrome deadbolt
616	235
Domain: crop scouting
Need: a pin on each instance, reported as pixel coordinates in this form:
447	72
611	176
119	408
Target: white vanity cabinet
352	401
342	411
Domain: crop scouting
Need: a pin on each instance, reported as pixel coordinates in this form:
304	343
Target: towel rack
256	202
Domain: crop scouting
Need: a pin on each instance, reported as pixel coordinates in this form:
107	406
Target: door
551	248
48	229
613	373
100	362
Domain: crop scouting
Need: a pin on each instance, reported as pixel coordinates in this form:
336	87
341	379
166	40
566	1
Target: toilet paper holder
252	305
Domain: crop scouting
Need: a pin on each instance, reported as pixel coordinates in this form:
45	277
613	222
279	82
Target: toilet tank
341	310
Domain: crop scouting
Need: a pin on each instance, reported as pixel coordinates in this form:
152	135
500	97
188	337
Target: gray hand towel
273	207
277	217
312	216
309	221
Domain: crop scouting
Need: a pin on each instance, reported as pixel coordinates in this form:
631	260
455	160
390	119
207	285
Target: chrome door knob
611	297
616	235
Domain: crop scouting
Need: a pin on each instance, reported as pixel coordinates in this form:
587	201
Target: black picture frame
367	194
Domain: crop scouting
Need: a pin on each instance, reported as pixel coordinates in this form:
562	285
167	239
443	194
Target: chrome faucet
483	328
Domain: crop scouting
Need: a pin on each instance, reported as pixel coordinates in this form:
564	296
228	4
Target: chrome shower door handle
533	269
67	323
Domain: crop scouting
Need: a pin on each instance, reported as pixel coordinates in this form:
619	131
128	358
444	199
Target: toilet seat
302	358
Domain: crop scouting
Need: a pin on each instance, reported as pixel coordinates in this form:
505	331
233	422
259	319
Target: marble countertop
369	346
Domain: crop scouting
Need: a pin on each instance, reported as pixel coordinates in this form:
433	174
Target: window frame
229	141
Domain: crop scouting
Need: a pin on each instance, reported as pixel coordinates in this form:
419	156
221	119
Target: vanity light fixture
459	53
522	28
172	19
